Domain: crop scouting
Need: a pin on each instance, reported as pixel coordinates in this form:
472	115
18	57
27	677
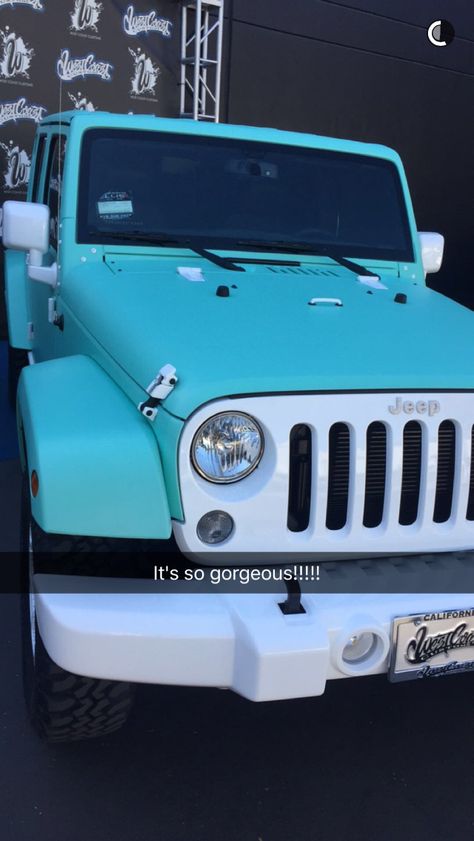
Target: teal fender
97	459
16	299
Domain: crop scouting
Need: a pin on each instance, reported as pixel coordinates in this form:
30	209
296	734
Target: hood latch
159	389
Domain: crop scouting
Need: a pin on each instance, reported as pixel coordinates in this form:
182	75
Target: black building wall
365	70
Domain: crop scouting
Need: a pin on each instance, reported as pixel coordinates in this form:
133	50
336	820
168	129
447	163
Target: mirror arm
35	257
44	274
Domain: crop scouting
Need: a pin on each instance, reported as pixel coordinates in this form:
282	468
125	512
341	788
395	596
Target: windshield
232	194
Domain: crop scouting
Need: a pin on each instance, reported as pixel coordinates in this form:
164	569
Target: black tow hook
292	603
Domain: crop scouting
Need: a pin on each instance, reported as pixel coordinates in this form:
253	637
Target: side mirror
432	247
26	228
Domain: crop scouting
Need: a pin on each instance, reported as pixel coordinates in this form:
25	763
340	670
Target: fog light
215	527
359	648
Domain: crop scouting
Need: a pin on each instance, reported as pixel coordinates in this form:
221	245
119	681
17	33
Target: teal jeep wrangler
226	340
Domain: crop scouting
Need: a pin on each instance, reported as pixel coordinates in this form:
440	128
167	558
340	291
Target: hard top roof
103	119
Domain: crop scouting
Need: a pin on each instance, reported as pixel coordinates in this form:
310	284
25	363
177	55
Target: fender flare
95	455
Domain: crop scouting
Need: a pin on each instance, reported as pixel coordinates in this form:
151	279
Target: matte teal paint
166	428
16	299
96	457
265	337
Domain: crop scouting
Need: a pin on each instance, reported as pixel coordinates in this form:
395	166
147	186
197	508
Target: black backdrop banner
85	54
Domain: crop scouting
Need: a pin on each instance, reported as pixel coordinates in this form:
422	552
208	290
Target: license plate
432	645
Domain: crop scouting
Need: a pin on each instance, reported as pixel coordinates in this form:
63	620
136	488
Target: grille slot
307	270
445	475
411	474
470	501
299	495
375	477
339	470
328	482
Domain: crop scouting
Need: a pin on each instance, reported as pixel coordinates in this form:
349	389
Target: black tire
17	360
63	707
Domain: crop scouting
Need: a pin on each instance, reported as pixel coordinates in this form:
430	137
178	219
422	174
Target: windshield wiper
307	248
223	262
151	238
136	236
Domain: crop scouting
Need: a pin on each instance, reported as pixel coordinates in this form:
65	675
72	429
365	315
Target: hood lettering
409	407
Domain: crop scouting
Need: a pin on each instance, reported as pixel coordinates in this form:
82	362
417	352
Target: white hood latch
159	388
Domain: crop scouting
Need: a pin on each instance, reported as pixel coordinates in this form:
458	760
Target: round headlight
227	447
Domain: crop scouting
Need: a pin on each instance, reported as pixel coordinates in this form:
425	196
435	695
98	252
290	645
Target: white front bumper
241	642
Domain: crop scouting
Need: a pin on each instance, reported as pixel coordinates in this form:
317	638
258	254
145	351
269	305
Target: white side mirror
432	247
26	228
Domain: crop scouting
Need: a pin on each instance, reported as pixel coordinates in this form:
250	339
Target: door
47	190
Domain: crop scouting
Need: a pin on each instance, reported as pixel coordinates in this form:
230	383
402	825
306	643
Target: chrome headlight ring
227	447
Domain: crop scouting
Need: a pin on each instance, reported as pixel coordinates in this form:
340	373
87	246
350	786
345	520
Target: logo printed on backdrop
71	68
37	5
86	16
136	24
16	56
81	103
145	75
17	170
20	109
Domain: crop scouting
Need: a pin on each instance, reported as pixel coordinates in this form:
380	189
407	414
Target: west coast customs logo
137	24
37	5
17	171
16	56
85	18
80	102
145	75
425	646
69	68
21	109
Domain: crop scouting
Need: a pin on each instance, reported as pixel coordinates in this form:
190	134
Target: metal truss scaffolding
202	23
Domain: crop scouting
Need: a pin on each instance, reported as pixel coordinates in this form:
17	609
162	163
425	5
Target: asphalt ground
368	761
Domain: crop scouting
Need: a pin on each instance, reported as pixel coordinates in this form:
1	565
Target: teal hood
266	336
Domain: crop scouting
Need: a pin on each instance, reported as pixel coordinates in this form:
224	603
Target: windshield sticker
195	275
113	206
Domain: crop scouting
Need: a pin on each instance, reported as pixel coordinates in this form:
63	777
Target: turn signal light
34	483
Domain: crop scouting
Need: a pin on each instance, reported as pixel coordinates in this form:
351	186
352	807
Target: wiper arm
151	238
223	262
307	248
353	267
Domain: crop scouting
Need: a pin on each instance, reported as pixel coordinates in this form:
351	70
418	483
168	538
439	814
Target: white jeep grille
341	475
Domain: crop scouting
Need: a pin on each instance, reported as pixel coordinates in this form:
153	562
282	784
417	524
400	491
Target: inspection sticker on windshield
115	205
432	645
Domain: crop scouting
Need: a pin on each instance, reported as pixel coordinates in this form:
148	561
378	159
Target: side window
53	183
39	158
